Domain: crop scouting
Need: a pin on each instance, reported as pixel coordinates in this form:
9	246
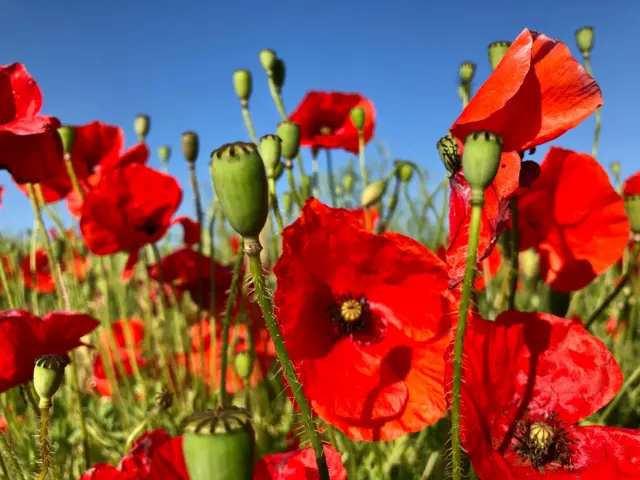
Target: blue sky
174	60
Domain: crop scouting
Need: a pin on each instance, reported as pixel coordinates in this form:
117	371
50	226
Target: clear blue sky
174	60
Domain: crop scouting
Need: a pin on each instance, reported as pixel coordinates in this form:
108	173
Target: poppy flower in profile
536	93
366	319
30	144
632	185
299	465
528	379
325	122
575	218
24	337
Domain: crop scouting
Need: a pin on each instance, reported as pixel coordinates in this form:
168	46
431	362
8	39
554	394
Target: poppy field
315	322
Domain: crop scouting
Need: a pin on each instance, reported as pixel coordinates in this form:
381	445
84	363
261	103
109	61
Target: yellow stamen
351	310
325	130
542	434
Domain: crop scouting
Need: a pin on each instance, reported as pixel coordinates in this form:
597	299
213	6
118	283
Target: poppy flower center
543	443
325	130
149	227
350	313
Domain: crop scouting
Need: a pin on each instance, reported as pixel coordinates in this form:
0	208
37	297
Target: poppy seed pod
164	153
405	171
219	445
270	150
467	72
497	50
142	125
584	39
348	182
615	168
448	151
47	377
240	181
243	364
190	146
279	74
373	193
357	117
632	206
243	84
268	59
481	160
289	133
68	137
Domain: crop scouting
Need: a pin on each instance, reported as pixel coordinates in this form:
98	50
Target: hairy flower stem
7	453
45	445
363	164
247	121
467	286
596	133
274	204
212	295
332	181
252	248
231	301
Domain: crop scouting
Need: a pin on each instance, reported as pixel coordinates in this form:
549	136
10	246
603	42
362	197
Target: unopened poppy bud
163	400
529	263
243	364
448	151
164	153
481	160
142	125
373	193
279	74
497	50
467	72
190	146
615	168
405	171
268	59
584	39
348	182
68	137
358	117
287	202
632	206
289	133
243	84
270	150
219	445
240	181
47	377
305	186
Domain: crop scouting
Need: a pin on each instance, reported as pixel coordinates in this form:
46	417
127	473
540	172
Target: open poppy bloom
536	93
24	337
528	379
366	320
325	122
298	465
575	218
30	144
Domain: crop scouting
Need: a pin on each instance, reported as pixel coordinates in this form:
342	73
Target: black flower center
149	226
350	313
544	443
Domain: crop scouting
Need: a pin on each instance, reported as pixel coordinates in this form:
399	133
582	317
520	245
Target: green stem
363	165
247	121
315	173
138	430
464	92
609	298
32	267
515	255
477	201
212	298
621	393
7	452
84	437
3	465
5	286
292	183
596	133
231	301
441	216
332	180
252	249
45	445
274	204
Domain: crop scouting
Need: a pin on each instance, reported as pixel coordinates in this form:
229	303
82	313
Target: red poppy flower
615	327
24	337
528	378
632	185
298	465
575	218
369	355
537	93
168	462
30	144
325	122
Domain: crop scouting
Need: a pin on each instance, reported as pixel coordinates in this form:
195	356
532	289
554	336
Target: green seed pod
164	153
615	168
448	151
240	181
268	59
467	72
243	364
405	171
278	171
270	151
497	50
289	133
305	187
358	117
68	136
373	193
47	377
243	84
481	160
632	205
584	39
348	182
287	203
219	445
279	74
142	125
190	146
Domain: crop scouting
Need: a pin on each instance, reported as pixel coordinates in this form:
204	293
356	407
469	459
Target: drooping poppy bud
448	151
243	85
142	125
164	153
243	364
219	444
279	74
190	146
405	171
358	117
268	59
467	72
68	136
240	180
289	133
497	50
481	160
584	39
47	377
373	193
270	151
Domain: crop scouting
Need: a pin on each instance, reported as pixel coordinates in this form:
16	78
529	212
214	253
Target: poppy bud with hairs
373	193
